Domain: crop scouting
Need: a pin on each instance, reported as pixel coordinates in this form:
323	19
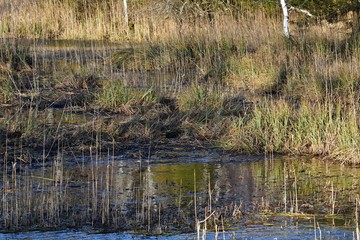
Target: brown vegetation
234	80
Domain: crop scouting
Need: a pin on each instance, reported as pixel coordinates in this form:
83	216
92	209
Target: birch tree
126	15
286	18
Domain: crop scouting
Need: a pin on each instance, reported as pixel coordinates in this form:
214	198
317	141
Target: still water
170	191
255	233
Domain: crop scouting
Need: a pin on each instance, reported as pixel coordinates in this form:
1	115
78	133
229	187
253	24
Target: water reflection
261	232
166	194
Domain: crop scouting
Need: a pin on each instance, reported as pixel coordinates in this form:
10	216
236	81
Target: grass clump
204	102
6	90
316	129
15	65
117	97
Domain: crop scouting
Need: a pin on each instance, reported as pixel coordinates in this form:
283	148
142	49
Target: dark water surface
261	232
129	195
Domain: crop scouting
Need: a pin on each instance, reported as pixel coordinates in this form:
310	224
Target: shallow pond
171	191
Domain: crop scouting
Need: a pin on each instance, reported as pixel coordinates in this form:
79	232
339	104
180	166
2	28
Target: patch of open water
161	194
260	232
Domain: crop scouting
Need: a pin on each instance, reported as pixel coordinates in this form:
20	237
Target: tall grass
58	19
6	91
148	20
318	129
297	96
115	96
15	63
199	98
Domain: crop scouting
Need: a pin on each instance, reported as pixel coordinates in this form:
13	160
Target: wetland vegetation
80	86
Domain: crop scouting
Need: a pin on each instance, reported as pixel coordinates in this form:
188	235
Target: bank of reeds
233	76
98	20
76	20
327	130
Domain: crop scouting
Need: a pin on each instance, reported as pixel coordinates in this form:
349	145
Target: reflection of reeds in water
100	192
357	230
28	202
53	197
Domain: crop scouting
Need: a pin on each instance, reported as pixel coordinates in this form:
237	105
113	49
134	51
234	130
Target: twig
202	221
306	12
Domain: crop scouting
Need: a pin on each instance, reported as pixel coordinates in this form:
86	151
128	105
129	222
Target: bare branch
306	12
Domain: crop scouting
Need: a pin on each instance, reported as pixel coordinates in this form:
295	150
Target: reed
199	99
317	129
115	96
298	97
110	194
15	64
147	20
6	91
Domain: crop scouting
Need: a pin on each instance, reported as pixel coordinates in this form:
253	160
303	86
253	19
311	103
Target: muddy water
167	190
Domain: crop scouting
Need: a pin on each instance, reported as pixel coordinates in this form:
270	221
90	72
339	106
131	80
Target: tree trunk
286	18
126	16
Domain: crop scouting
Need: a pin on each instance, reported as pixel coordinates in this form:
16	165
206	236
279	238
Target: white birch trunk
286	18
126	13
